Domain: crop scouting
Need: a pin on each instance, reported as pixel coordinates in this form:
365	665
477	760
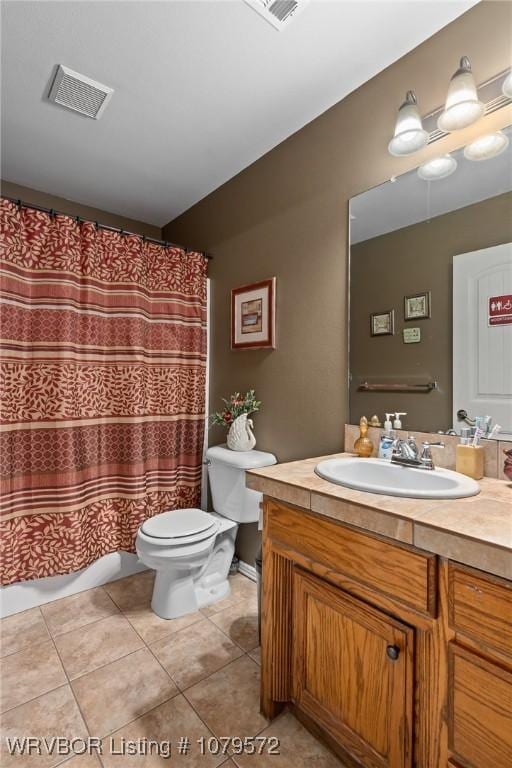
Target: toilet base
190	585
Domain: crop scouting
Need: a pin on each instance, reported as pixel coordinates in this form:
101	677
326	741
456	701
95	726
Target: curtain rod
53	212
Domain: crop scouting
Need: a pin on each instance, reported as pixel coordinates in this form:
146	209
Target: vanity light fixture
409	133
485	147
437	168
507	86
462	107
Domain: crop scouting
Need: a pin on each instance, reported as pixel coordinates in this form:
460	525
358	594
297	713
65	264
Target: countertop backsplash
443	457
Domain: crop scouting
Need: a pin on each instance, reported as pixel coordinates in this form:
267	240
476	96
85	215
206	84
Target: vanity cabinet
395	656
352	671
479	668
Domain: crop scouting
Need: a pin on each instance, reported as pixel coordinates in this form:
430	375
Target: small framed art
382	323
253	316
417	307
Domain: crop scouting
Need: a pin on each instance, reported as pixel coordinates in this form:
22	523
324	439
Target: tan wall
286	215
77	209
407	261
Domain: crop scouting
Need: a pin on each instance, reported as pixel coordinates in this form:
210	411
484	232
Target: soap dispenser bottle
397	424
387	439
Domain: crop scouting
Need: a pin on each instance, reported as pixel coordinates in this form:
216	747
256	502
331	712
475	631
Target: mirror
431	298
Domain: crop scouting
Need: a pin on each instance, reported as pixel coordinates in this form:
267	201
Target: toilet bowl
191	550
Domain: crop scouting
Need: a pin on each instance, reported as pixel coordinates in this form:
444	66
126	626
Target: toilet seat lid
180	524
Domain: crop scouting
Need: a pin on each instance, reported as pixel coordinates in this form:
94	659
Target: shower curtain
103	371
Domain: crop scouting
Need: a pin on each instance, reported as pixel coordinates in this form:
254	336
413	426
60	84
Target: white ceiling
409	200
202	89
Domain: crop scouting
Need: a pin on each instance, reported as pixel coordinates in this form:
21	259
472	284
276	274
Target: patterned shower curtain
103	370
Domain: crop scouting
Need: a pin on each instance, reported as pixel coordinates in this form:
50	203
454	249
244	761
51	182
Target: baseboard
247	570
28	594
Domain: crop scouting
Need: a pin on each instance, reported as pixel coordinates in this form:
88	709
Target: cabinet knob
393	652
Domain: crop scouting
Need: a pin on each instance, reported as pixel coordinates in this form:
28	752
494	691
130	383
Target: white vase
240	435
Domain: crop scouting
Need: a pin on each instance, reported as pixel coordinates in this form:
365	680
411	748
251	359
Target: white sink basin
380	476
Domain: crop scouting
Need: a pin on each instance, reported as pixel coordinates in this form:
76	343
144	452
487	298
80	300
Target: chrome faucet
406	453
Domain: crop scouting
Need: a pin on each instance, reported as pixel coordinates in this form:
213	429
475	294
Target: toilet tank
226	472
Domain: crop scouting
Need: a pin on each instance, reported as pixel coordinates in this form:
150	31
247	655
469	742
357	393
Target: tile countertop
476	531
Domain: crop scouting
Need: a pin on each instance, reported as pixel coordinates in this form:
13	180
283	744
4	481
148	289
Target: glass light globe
462	106
437	168
409	134
485	147
507	86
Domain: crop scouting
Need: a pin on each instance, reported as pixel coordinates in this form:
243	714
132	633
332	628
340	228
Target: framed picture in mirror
382	323
417	306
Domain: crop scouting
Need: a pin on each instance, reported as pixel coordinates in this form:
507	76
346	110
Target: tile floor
102	664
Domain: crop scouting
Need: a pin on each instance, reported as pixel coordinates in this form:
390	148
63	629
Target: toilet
191	550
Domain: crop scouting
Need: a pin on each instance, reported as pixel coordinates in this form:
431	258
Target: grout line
69	683
29	645
229	636
82	626
180	689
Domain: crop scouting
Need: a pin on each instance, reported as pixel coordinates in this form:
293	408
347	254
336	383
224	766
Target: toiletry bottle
386	444
386	440
397	424
363	446
469	455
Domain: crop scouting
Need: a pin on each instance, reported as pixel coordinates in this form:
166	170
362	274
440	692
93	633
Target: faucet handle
426	454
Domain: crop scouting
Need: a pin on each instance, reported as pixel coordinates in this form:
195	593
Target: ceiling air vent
277	12
79	93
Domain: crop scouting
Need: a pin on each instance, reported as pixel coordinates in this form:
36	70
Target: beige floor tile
240	623
168	722
229	700
220	605
195	652
297	748
95	645
256	655
30	673
114	695
51	715
152	628
78	610
88	760
133	591
242	587
22	630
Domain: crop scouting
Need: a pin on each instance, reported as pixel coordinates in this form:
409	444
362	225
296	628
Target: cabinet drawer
406	575
480	710
480	606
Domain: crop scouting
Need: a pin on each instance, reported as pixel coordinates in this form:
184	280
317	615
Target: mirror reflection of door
482	336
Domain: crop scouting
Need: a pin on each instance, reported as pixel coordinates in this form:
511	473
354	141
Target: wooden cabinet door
480	710
353	672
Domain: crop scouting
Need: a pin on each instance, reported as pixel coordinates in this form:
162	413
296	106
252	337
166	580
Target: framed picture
253	315
382	323
417	307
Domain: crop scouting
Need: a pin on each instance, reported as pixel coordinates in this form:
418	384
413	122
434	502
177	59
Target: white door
482	335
